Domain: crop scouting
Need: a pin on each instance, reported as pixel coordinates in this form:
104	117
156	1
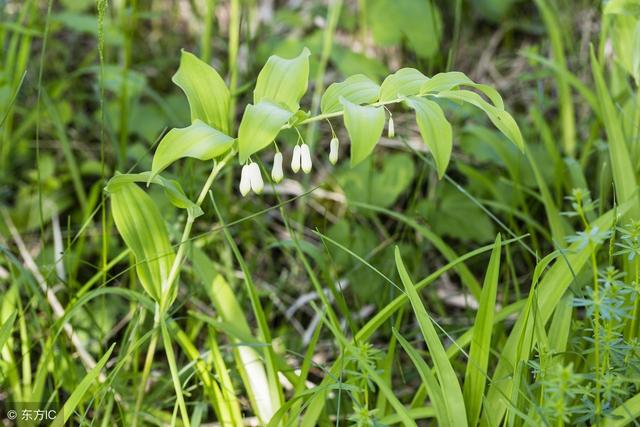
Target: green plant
446	274
279	88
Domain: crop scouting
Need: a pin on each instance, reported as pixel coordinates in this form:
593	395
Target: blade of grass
550	290
475	377
451	391
465	274
625	414
372	373
315	407
275	391
173	367
429	380
78	393
623	172
5	331
564	90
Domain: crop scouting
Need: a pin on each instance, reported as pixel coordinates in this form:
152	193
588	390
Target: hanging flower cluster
251	177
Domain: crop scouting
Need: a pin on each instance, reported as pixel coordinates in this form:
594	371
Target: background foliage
499	285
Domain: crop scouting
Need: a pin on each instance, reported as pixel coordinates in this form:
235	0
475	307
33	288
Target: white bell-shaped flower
245	180
391	128
334	147
295	159
276	172
255	178
305	158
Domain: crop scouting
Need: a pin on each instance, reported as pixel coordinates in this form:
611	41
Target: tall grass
461	273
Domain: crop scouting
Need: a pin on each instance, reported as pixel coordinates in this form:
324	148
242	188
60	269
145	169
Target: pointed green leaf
623	7
445	81
358	89
404	82
625	414
499	117
475	377
553	284
621	166
435	130
80	390
454	79
140	224
172	189
198	141
207	94
5	330
260	125
283	81
364	125
429	380
446	375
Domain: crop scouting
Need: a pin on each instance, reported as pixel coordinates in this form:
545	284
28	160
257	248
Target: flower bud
276	171
255	178
390	128
334	146
245	182
295	160
305	158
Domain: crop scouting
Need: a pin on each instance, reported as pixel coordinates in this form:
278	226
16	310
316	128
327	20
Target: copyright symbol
12	415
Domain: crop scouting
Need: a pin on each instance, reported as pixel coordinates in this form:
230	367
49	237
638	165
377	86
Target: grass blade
171	358
550	290
80	390
429	380
5	331
446	375
476	374
622	169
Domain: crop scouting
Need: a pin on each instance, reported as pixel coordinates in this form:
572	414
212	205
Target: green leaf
373	374
451	392
260	125
207	94
549	291
404	82
364	125
416	21
499	117
283	81
625	414
5	330
172	189
381	185
428	379
475	377
454	79
175	376
80	390
198	141
623	7
358	89
453	214
435	131
445	81
621	167
140	224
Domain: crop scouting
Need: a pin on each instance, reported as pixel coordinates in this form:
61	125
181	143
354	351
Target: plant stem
162	306
146	370
596	327
340	113
636	302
